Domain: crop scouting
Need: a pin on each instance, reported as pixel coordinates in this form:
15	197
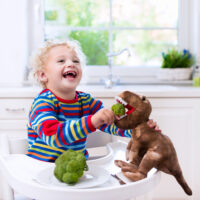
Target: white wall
189	26
13	41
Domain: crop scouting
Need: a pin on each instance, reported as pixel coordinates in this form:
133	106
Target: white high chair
20	171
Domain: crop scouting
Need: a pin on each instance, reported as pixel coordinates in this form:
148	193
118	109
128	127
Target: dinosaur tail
184	185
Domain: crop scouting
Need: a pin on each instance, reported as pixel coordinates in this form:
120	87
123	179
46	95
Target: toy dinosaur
147	148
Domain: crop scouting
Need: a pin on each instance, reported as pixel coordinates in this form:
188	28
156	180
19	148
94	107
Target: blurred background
145	27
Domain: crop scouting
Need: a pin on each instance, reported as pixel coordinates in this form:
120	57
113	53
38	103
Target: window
145	27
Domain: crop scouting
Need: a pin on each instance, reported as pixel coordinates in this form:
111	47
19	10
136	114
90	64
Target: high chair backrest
10	145
13	145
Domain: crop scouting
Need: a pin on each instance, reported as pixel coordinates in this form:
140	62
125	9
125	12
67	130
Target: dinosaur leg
150	160
126	166
132	152
128	149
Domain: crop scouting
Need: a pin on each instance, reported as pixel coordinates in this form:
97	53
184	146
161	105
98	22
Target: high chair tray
95	176
24	175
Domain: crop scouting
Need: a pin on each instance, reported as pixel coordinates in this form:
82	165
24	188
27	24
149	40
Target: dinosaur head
138	110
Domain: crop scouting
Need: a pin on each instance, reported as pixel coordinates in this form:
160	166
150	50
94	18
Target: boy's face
62	70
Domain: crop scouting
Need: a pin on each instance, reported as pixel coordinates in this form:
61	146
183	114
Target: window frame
140	74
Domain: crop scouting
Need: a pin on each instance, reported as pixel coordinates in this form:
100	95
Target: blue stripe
49	141
107	129
95	105
61	118
74	117
36	157
75	148
72	111
41	107
41	101
66	105
46	149
39	141
113	129
85	103
67	133
43	154
30	142
76	130
33	122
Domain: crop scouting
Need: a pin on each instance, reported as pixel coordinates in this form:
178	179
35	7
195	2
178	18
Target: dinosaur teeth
120	100
122	116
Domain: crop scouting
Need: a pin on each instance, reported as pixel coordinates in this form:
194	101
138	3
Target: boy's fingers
151	123
157	129
154	125
117	117
111	116
108	118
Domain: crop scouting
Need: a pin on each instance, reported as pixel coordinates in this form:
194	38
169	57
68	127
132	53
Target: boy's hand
103	116
153	125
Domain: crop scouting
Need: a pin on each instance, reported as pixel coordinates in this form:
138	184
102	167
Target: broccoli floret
118	109
70	166
70	178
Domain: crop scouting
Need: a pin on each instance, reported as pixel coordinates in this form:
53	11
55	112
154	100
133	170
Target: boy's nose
69	63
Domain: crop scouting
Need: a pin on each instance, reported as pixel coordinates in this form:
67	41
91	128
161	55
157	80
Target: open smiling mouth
129	108
70	74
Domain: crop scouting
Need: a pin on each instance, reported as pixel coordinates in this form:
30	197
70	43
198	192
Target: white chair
19	171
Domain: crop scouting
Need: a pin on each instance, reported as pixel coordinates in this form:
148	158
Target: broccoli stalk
118	109
70	166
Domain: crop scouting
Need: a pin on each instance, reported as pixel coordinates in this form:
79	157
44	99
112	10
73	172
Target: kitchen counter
100	91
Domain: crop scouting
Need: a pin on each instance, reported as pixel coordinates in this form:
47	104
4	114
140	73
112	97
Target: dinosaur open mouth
129	108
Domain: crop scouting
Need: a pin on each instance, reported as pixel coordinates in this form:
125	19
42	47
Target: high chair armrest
97	152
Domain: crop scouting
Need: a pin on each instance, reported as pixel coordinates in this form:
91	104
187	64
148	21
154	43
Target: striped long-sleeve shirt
56	125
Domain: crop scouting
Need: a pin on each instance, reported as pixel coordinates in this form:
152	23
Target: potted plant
176	65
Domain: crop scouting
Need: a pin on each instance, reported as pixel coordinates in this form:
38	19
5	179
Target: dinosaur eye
143	98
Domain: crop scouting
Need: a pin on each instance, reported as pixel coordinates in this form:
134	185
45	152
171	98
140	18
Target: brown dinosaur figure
147	148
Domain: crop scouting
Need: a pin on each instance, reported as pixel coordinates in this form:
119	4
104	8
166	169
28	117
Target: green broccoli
70	166
118	109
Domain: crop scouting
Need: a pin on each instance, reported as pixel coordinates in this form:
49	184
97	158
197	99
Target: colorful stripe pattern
56	125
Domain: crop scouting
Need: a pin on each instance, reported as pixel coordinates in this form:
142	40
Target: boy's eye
76	61
61	61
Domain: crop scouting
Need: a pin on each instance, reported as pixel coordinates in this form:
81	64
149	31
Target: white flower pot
174	74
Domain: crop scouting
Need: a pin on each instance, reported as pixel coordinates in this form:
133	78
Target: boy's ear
42	76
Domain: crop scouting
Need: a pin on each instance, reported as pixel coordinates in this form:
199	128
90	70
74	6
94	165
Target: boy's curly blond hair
39	57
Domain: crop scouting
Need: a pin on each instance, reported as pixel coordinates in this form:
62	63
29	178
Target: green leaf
177	59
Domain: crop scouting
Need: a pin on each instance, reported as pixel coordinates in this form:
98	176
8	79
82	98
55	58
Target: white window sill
142	82
126	76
